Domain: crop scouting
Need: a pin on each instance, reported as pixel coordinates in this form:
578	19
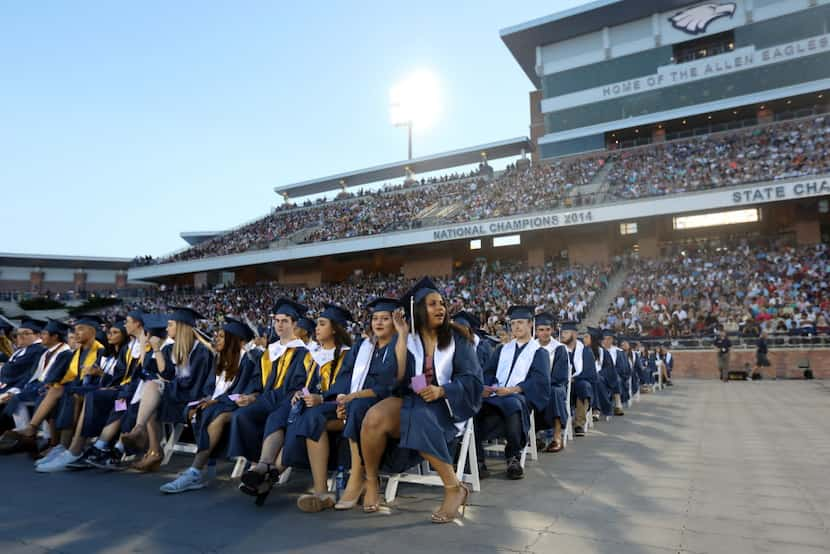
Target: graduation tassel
412	313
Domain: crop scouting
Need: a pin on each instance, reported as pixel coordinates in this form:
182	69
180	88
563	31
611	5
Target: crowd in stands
778	151
745	288
486	289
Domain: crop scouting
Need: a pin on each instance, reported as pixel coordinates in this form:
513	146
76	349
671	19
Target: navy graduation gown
185	388
636	369
605	385
269	413
65	410
484	351
248	381
583	384
430	426
623	374
535	387
381	378
557	406
19	369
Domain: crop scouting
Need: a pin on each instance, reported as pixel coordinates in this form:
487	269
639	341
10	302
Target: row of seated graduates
397	395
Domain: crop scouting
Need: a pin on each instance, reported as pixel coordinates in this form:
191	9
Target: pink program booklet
419	383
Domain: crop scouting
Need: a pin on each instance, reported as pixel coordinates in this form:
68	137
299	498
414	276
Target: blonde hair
185	337
6	346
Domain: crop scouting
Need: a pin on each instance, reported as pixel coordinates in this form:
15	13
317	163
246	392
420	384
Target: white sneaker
56	451
189	480
59	463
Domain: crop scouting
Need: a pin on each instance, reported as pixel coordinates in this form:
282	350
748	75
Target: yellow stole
267	366
327	376
128	374
75	365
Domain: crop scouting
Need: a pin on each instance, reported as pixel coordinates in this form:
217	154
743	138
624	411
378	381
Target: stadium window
508	240
628	228
731	217
475	244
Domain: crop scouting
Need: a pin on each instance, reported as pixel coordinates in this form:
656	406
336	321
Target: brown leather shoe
13	442
135	440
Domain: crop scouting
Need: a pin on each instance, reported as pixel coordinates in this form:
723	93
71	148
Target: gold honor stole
327	377
267	366
75	365
128	375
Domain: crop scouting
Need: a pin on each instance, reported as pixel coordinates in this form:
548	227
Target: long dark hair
444	332
229	357
112	350
341	338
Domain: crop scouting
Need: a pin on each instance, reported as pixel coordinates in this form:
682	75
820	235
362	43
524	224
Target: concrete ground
702	467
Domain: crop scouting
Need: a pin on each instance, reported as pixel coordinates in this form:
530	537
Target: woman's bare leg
382	421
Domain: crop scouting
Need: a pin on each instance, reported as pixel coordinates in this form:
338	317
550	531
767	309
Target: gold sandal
444	517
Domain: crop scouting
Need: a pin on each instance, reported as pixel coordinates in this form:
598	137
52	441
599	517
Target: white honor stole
504	375
361	365
577	364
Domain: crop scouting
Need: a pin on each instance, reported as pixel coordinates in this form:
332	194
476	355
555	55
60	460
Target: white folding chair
422	474
529	449
172	444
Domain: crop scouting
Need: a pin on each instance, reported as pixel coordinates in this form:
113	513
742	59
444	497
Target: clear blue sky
125	123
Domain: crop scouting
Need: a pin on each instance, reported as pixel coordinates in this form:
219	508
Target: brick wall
703	364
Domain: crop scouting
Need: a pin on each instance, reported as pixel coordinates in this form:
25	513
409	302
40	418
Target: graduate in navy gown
307	439
516	382
605	385
175	376
235	382
17	371
111	371
86	358
615	378
440	381
555	416
584	374
50	368
484	348
648	367
665	356
258	430
98	401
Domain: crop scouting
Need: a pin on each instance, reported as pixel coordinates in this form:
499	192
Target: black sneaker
514	468
81	463
483	472
579	431
109	461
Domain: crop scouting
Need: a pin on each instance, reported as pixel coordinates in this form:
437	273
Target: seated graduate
18	369
665	356
632	385
441	389
305	329
516	382
107	412
606	382
484	348
648	368
50	369
258	430
237	382
99	392
583	372
70	411
620	370
175	376
314	413
555	415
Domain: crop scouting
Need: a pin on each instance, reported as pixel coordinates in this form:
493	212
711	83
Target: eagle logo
695	20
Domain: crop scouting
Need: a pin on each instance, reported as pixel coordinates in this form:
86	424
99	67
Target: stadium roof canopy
435	162
197	237
523	39
49	260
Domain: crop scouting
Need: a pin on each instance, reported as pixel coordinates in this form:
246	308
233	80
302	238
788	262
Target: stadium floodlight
415	102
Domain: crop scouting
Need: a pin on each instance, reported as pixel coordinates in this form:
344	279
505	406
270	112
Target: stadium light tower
414	102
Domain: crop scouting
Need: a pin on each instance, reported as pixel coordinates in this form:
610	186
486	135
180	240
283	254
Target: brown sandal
553	446
149	463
